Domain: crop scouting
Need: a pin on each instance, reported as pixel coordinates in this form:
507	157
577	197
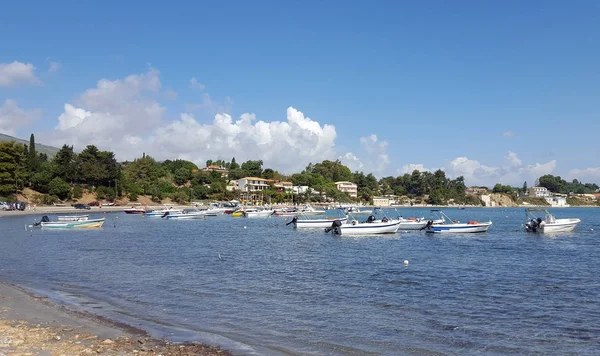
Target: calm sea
258	287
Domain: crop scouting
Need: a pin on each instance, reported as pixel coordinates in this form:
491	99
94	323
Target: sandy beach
34	325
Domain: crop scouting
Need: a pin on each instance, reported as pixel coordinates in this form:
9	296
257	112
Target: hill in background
39	148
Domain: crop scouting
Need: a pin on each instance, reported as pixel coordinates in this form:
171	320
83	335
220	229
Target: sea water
257	286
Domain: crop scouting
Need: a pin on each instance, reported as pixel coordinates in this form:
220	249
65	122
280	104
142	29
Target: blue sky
498	91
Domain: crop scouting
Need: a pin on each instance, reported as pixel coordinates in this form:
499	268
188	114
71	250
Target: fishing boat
73	217
45	223
303	221
453	226
369	227
540	220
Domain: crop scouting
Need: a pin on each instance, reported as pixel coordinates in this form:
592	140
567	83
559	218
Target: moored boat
134	210
80	224
303	221
73	217
369	227
453	226
257	213
540	220
187	214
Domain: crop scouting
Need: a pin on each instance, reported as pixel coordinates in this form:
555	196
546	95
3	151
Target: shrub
133	196
77	192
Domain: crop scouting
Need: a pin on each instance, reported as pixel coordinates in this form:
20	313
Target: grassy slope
40	148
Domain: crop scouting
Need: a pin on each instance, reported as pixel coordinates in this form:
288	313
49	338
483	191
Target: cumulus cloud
112	110
195	84
509	134
17	73
351	161
285	145
124	116
409	168
512	172
54	67
13	117
586	175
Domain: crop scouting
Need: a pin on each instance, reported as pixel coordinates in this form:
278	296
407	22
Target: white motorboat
45	223
540	220
369	227
188	214
257	213
73	217
411	223
453	226
161	213
310	210
303	221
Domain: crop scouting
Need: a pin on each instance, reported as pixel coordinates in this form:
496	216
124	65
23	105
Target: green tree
253	168
77	192
32	157
13	168
524	189
233	164
143	172
59	188
182	175
64	164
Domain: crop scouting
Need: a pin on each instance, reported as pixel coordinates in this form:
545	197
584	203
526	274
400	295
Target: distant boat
453	226
187	214
45	223
303	221
73	217
548	223
257	213
134	210
162	212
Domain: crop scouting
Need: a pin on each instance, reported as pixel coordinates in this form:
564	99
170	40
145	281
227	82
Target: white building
557	201
539	192
252	184
348	187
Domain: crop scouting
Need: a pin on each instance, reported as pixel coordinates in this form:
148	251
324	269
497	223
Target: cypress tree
32	158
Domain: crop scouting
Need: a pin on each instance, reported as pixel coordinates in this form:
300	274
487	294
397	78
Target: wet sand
33	325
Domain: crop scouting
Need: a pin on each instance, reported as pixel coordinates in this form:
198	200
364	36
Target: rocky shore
33	325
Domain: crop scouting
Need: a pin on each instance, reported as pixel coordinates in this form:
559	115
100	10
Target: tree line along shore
68	177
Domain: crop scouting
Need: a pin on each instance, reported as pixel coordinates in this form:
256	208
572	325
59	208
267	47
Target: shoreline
34	324
49	210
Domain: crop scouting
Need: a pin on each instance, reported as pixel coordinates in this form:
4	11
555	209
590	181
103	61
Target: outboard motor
44	219
294	220
371	219
428	225
165	214
335	227
533	225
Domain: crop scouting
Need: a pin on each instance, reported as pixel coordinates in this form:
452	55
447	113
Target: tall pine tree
32	158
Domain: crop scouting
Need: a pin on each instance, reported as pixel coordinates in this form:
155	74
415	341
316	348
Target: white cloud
287	146
586	175
104	115
509	134
13	117
409	168
16	73
195	84
351	161
54	67
378	158
124	117
513	172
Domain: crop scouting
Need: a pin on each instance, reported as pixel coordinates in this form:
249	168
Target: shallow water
259	287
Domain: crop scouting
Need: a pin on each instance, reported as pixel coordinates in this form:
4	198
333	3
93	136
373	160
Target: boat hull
85	224
186	216
459	228
258	214
368	228
316	223
134	211
560	225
